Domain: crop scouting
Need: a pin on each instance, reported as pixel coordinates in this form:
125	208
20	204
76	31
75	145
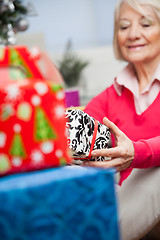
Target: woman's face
138	35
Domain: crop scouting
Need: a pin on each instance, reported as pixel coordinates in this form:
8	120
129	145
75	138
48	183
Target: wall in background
88	23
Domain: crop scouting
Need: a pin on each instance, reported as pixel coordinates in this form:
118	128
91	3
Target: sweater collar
127	78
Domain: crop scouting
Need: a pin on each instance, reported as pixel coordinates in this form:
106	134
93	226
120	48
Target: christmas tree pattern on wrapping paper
43	129
55	87
17	70
17	148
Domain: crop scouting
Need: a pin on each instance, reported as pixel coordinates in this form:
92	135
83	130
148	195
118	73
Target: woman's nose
134	32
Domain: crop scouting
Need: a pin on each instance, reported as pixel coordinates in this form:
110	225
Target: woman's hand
120	156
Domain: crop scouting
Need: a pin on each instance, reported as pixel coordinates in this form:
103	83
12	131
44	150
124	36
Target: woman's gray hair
135	4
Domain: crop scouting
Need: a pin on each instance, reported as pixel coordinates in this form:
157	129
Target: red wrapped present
18	64
32	122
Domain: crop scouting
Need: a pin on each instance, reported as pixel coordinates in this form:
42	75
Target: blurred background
88	25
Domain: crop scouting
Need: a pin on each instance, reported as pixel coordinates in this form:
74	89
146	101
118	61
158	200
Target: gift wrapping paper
71	203
85	134
32	121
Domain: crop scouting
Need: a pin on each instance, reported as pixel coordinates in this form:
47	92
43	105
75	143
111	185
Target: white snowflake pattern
60	95
47	147
36	100
34	52
17	128
37	157
59	153
16	161
3	138
59	111
13	92
41	88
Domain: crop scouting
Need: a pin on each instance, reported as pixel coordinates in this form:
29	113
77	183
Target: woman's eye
146	23
124	25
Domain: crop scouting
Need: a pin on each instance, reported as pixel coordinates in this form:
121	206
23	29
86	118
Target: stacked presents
40	197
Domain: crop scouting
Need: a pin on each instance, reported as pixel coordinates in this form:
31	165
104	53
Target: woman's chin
136	58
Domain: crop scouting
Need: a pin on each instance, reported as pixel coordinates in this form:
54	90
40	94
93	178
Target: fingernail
93	154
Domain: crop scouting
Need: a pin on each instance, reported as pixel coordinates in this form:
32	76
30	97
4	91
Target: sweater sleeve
147	153
97	107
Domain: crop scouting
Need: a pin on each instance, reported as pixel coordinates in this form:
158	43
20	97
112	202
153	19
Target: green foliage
71	67
9	19
8	16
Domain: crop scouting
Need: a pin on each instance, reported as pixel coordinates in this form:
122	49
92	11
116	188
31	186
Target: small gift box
85	134
72	98
32	120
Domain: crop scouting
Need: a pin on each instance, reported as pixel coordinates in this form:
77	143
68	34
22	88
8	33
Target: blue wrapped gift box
67	203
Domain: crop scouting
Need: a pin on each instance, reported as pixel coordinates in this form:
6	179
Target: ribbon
93	141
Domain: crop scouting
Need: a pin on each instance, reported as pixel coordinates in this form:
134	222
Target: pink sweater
120	109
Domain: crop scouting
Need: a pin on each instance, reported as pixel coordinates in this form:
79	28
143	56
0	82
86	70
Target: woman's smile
138	35
136	47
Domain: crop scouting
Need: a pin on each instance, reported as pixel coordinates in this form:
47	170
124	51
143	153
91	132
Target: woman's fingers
117	163
110	152
120	156
113	128
103	164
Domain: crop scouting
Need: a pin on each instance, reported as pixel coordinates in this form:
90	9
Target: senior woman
132	102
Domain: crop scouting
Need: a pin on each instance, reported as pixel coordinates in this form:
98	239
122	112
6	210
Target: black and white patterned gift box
85	134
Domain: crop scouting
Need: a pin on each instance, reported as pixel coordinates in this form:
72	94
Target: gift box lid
18	64
70	203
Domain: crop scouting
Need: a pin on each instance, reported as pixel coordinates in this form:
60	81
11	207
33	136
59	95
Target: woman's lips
136	47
